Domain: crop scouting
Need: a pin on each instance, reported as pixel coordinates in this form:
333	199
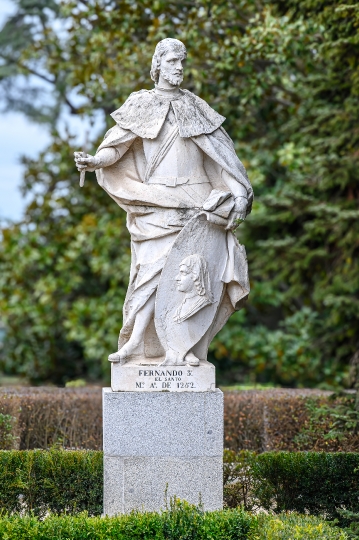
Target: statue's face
184	280
171	68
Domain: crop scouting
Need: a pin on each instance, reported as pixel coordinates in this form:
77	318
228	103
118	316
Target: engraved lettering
185	385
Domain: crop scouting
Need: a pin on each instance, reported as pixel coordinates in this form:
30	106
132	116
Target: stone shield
198	237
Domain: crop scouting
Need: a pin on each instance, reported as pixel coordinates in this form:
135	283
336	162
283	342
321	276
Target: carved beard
172	79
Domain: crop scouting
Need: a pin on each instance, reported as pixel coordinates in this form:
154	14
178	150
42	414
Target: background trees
286	76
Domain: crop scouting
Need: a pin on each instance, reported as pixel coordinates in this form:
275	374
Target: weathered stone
162	438
149	377
157	424
171	166
140	482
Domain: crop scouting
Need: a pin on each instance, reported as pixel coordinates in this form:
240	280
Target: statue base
162	443
148	376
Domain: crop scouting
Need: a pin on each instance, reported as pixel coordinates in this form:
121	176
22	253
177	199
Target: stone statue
171	166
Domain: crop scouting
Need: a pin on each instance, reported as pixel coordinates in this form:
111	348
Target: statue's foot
191	359
114	357
172	359
119	357
127	352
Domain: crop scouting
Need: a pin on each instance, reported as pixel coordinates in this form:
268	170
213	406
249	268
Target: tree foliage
286	76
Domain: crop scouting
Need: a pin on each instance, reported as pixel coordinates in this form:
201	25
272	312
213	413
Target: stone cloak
157	213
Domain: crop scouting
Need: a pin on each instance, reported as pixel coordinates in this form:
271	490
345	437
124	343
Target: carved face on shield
193	280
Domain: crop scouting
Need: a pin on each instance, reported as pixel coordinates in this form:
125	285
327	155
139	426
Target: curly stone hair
163	47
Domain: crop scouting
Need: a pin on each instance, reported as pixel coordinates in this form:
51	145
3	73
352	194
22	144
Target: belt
173	181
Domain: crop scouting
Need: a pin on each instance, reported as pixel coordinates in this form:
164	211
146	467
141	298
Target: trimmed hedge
262	420
181	522
60	481
307	482
282	420
317	483
44	416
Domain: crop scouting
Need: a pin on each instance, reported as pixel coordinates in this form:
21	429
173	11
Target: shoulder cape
144	112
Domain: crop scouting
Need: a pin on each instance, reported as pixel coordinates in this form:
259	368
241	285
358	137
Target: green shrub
353	518
181	521
71	481
318	483
296	527
238	479
7	437
332	423
39	481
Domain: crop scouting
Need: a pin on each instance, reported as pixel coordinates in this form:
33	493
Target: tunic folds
172	154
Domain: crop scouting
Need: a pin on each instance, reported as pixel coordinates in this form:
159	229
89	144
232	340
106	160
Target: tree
285	75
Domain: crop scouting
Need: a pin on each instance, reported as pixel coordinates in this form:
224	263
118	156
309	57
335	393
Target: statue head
168	60
193	276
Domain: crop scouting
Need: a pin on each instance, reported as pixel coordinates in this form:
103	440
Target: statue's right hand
87	163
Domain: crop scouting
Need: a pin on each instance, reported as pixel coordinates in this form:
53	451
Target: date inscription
165	379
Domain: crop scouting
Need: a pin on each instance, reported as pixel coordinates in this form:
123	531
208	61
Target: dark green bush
59	481
7	437
318	483
39	481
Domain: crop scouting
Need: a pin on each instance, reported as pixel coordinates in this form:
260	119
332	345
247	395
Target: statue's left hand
238	213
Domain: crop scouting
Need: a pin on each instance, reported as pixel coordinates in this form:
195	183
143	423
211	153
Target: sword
84	154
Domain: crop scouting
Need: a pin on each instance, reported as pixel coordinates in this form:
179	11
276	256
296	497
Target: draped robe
158	207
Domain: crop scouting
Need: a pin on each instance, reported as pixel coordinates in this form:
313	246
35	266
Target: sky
19	136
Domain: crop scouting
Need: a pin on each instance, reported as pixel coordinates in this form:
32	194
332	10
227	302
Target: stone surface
162	424
148	377
162	438
191	287
171	166
140	483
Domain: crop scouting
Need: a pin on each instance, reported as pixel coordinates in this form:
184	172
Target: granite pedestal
162	441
